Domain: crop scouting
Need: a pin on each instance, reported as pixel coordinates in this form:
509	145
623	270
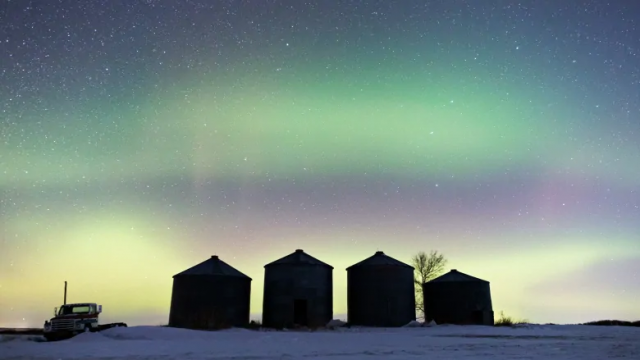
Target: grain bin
458	298
210	295
380	292
298	291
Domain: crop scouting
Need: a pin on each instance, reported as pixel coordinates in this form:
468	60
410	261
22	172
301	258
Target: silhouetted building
298	290
380	292
457	298
210	295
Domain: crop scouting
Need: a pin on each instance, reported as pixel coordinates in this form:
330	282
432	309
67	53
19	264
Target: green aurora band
285	127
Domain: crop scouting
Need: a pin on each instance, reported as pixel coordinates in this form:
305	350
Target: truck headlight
79	326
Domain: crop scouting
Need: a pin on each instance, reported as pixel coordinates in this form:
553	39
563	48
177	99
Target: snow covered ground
439	342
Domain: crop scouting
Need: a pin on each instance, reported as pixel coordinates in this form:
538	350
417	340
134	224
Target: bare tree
427	267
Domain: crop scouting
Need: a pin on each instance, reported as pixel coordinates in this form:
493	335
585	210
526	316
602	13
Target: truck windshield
73	310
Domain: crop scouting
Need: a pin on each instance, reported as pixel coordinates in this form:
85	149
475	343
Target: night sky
138	138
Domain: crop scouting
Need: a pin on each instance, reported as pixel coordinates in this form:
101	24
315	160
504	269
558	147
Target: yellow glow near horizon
127	265
120	262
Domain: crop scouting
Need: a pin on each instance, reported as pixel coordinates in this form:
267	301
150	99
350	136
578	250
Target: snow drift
435	342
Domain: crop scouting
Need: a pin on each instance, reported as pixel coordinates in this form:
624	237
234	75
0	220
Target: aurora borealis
141	137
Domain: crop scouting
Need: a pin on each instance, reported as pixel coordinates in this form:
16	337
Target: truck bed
102	327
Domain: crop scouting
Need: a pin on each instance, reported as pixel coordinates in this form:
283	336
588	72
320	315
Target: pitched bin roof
214	267
379	259
455	276
298	257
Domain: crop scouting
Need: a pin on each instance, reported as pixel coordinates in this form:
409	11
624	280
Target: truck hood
74	317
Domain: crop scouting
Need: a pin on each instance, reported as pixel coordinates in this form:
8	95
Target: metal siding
284	283
380	295
209	302
456	302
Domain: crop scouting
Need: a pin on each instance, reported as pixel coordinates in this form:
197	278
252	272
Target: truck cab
70	319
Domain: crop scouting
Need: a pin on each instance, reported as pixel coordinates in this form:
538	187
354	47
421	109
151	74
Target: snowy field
438	342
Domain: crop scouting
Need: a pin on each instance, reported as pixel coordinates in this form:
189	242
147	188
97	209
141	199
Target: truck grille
62	325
